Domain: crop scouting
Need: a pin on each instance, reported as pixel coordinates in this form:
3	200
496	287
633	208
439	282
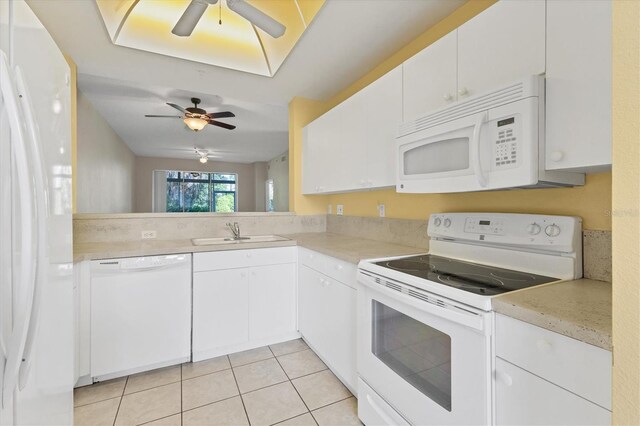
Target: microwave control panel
506	143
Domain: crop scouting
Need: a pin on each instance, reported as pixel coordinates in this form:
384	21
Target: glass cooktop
472	277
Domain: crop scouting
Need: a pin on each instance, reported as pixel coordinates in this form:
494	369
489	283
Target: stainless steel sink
243	240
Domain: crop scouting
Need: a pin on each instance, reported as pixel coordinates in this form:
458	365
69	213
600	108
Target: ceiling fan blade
221	114
178	107
189	19
163	116
257	17
221	124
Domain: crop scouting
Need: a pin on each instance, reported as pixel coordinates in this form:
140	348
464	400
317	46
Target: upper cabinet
503	44
578	134
352	146
430	78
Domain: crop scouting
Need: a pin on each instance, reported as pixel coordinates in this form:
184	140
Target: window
200	192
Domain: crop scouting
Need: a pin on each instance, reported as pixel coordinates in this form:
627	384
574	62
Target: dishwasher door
140	314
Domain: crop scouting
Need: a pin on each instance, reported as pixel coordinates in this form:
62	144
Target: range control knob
437	221
534	229
447	222
552	230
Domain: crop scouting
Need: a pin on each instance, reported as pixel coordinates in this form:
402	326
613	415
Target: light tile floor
284	384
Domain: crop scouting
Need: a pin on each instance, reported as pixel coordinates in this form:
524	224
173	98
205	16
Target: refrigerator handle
41	212
25	267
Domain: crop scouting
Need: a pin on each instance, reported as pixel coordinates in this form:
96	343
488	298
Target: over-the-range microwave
486	142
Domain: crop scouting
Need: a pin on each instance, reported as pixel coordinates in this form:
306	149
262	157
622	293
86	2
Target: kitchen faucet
235	228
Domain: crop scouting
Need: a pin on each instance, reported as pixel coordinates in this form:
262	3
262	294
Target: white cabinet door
338	336
503	44
312	147
309	308
272	301
345	162
383	114
327	310
525	399
578	116
430	77
220	310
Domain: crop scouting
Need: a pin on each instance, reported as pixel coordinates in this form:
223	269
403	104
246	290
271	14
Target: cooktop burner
472	277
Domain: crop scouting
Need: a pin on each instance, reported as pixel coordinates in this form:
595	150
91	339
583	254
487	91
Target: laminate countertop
580	309
350	249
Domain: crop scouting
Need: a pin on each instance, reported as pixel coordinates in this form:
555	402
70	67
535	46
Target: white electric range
425	322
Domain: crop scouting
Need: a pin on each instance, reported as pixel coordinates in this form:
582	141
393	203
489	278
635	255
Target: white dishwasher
140	314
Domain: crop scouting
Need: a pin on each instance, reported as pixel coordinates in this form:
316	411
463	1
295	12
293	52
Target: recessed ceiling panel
235	43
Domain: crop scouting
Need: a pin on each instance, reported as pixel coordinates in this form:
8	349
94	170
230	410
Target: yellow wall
74	128
592	202
626	211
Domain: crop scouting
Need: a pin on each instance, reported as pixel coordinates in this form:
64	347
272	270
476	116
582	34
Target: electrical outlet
149	235
381	210
339	209
329	209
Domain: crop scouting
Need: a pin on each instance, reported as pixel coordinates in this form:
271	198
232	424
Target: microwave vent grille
466	108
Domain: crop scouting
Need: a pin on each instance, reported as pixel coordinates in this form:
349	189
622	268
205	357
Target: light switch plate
148	235
339	209
381	211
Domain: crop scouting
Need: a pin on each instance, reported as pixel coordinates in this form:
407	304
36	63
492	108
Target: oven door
427	357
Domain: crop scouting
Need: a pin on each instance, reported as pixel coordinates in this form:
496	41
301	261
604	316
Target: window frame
211	181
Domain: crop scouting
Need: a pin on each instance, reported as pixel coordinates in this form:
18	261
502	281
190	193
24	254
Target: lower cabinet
327	314
523	398
243	299
545	378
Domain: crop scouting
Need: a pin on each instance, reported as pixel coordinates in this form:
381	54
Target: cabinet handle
463	91
504	378
557	155
447	97
543	345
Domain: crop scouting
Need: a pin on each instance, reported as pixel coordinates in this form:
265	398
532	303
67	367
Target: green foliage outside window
201	192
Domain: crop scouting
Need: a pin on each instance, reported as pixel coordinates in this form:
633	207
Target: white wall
278	170
260	175
105	166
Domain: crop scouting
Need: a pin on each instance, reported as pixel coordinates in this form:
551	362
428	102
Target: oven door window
420	354
437	157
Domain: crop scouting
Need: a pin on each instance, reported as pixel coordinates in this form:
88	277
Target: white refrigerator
36	258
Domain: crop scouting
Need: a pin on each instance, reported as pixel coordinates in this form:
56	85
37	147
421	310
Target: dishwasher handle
138	264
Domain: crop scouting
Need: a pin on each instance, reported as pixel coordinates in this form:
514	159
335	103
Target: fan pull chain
220	12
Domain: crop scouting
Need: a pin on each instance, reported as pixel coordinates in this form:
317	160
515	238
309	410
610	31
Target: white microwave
486	142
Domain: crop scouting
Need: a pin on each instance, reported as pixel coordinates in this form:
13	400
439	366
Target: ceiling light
194	123
203	160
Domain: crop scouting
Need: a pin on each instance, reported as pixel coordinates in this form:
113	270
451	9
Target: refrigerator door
45	394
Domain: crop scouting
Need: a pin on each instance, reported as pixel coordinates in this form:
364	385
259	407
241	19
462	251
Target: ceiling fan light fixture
195	123
204	159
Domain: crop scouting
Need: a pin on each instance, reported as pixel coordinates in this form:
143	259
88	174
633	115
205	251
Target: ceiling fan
196	118
189	19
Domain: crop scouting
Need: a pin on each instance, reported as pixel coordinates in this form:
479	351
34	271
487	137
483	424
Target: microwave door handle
475	141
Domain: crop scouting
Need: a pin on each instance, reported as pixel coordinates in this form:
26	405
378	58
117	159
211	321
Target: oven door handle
475	142
445	309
